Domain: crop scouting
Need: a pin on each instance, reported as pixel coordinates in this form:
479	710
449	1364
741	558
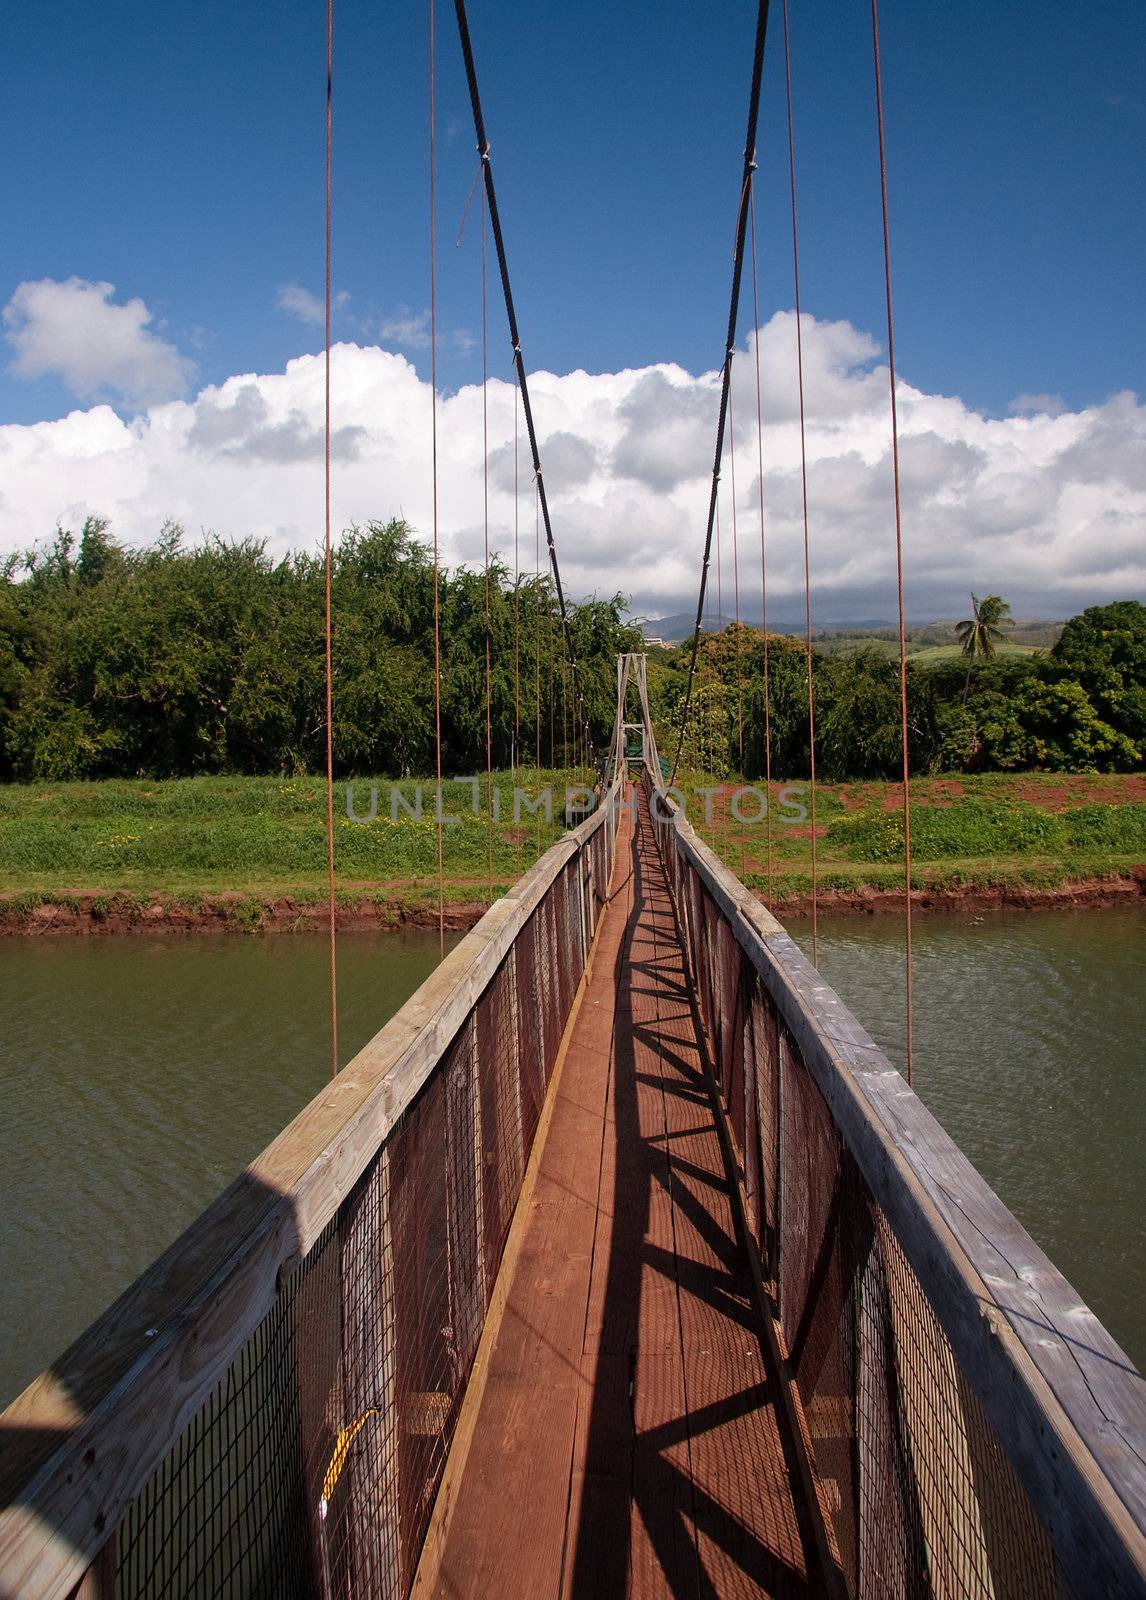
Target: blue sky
176	153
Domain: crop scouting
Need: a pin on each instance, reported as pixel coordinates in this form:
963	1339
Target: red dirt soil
96	914
92	913
1088	892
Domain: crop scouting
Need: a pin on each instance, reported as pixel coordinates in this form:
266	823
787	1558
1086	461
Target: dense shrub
173	662
1081	708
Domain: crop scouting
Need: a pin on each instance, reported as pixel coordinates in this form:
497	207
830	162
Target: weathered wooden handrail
83	1439
1066	1403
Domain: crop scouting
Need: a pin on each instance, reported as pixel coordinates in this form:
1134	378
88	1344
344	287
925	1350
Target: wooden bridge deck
626	1439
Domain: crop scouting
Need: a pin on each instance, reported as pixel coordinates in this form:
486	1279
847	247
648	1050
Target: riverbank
249	854
1077	894
398	908
978	843
414	906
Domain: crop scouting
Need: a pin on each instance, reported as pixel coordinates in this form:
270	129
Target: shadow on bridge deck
627	1440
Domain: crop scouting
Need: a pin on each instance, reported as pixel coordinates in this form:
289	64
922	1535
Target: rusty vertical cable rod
720	723
434	475
763	552
328	630
908	974
537	654
736	593
722	742
735	581
516	587
518	764
803	485
485	522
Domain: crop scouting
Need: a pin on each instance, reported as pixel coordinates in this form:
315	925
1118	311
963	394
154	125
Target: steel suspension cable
438	807
803	484
763	553
328	630
729	346
898	545
519	361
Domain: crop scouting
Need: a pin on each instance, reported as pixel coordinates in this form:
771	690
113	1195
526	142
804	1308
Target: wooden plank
597	1536
662	1538
429	1577
588	1416
99	1582
80	1442
526	1378
1065	1401
750	1527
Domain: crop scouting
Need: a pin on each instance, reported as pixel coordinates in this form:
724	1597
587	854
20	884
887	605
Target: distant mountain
677	628
1034	632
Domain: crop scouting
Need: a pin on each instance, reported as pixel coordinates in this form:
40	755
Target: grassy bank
1031	832
251	852
119	844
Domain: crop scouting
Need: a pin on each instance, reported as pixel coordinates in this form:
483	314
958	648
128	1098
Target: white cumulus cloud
73	330
306	306
1049	510
406	329
409	330
1037	405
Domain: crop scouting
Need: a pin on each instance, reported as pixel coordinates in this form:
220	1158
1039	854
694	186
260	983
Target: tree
982	633
1104	650
1051	727
858	721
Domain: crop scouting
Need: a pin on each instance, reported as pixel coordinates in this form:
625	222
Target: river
1028	1047
139	1075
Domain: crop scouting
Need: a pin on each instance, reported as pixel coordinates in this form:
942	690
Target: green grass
932	654
212	835
924	654
1036	831
256	839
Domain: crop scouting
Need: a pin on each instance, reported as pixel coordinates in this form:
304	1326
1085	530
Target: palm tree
981	634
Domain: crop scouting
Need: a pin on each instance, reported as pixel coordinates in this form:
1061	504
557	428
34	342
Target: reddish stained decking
627	1440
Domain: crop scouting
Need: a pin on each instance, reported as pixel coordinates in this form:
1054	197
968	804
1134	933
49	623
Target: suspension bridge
621	1261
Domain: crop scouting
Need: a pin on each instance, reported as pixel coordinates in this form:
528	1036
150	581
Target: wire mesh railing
267	1412
972	1428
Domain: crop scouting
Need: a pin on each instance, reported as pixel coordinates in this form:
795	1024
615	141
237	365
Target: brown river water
139	1075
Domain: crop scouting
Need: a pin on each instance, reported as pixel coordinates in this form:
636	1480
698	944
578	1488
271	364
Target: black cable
729	348
519	363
